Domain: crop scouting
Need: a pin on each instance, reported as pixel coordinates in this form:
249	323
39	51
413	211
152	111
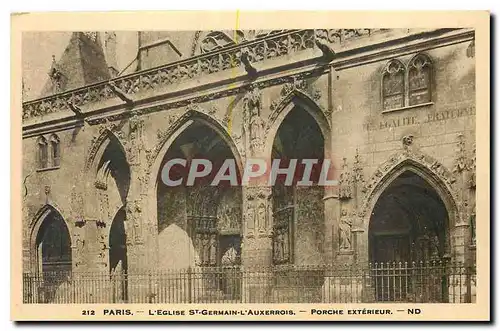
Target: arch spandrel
425	166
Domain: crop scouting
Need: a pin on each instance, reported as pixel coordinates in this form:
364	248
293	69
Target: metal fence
379	282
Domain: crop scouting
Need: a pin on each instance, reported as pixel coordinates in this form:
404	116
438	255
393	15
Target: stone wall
348	98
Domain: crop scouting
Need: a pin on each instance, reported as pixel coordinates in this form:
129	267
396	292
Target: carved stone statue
407	141
213	250
261	214
285	244
278	247
345	182
345	231
230	257
253	124
250	219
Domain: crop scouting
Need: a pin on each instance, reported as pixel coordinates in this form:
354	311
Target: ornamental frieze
200	99
274	45
337	36
258	50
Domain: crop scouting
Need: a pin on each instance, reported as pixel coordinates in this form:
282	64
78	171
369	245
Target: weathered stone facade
386	105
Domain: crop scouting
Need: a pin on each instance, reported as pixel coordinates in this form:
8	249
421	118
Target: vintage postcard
250	166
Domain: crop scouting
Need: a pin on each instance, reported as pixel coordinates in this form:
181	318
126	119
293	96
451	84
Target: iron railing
380	282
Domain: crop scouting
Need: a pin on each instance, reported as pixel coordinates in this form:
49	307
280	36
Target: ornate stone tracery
415	159
104	132
289	88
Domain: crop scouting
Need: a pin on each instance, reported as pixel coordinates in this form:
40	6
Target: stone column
257	208
141	233
257	243
460	230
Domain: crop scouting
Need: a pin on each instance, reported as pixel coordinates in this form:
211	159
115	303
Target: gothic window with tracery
419	80
42	153
393	85
55	150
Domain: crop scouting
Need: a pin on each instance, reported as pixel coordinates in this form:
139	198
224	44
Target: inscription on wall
415	119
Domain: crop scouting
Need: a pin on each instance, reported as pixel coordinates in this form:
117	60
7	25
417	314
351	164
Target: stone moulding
146	80
258	50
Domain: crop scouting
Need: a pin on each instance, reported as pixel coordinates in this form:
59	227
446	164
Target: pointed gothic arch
297	129
421	164
296	98
434	174
180	125
50	241
189	212
118	258
99	145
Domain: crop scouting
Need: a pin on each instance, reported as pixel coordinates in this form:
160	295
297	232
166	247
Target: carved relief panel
257	218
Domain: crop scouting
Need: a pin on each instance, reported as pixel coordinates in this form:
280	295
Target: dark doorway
118	257
408	242
54	255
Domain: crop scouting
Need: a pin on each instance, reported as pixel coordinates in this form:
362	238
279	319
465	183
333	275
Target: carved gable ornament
412	157
103	133
287	90
297	87
175	121
461	162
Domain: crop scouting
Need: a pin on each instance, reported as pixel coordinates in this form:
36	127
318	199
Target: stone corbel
77	110
328	53
245	59
121	94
